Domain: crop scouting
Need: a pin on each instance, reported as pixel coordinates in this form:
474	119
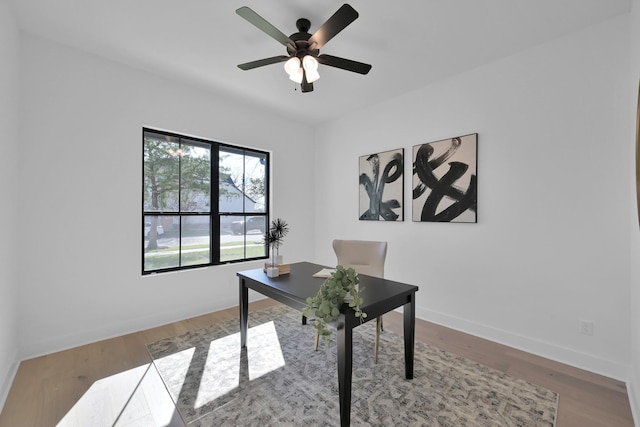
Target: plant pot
273	272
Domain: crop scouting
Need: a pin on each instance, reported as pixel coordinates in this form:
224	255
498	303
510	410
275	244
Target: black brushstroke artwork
463	199
375	187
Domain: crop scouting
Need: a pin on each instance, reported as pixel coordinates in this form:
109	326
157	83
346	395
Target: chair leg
316	340
381	325
378	329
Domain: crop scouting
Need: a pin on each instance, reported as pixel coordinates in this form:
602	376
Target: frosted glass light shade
310	65
292	67
296	76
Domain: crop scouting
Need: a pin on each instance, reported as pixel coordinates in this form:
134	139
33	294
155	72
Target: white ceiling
410	43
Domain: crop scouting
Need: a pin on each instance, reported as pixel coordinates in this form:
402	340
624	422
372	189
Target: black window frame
214	214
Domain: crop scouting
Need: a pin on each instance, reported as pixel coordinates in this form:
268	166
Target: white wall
551	246
9	197
634	83
81	122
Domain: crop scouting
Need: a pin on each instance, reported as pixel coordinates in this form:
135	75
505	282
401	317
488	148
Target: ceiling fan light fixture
310	65
297	76
292	67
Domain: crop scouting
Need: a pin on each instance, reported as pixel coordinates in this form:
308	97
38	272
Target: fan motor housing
301	39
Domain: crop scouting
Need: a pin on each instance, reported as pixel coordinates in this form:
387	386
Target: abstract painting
445	180
382	186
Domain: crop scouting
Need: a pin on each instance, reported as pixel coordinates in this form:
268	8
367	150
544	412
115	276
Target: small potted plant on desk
340	287
274	237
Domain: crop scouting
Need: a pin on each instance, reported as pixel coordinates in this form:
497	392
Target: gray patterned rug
280	381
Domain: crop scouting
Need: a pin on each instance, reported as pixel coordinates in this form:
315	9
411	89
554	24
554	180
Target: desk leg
244	312
409	335
345	361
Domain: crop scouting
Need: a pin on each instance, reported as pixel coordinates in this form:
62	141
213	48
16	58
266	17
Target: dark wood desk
380	296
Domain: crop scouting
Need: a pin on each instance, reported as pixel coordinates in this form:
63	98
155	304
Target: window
187	222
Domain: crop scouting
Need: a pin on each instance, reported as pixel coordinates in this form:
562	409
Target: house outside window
187	222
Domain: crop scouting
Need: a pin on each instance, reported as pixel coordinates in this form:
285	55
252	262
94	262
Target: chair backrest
364	256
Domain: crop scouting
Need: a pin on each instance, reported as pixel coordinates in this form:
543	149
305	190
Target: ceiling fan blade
338	22
345	64
262	24
262	62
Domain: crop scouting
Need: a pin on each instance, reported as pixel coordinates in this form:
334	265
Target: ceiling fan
303	48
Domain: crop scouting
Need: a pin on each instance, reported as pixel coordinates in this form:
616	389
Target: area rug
279	380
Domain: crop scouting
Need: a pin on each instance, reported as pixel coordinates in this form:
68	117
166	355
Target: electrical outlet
586	327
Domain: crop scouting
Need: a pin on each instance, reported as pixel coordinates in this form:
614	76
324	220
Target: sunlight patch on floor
151	405
263	350
179	364
134	397
138	396
223	369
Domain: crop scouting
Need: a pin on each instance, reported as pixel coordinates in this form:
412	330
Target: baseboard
8	380
66	342
633	391
539	348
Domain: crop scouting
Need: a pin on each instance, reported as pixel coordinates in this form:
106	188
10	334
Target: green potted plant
274	237
340	287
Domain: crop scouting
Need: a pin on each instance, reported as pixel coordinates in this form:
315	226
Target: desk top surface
300	284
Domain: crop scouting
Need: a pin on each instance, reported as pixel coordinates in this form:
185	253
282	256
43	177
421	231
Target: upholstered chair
365	257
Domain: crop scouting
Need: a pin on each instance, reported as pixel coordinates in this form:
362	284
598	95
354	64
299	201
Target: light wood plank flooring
113	382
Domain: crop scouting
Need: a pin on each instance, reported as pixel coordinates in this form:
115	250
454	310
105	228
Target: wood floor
114	383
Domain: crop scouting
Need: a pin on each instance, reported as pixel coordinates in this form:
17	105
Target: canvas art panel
382	186
445	180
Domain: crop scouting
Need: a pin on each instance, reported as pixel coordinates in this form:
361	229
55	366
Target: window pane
231	186
196	241
255	181
195	177
161	243
246	239
254	238
161	169
225	224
